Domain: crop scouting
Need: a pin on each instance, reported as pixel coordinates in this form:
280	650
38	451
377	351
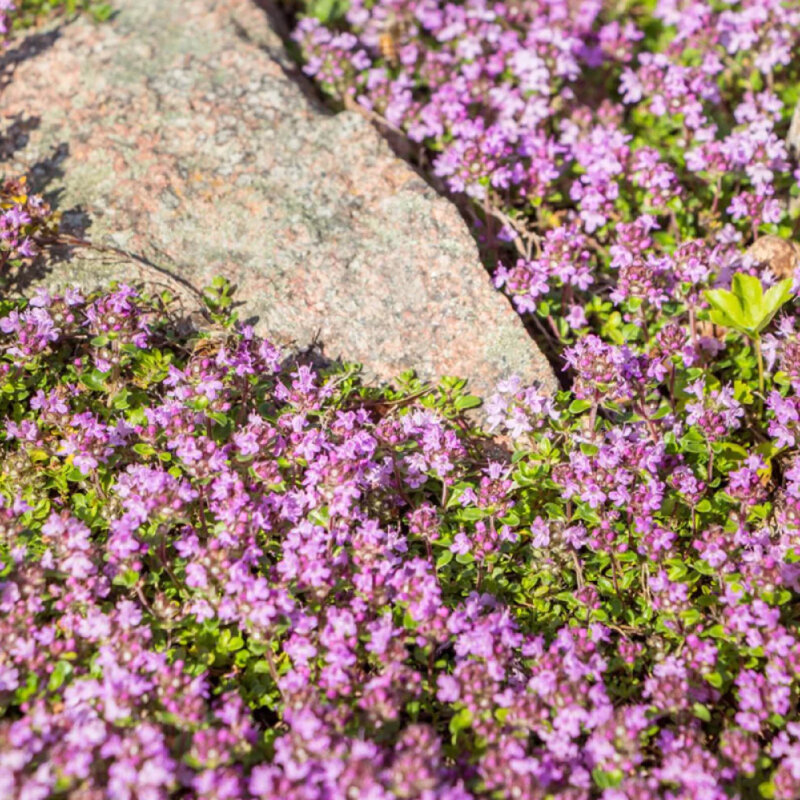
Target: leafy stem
748	309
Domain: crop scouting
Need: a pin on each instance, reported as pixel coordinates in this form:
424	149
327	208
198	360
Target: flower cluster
623	149
26	222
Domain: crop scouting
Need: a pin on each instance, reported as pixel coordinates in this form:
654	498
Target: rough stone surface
176	133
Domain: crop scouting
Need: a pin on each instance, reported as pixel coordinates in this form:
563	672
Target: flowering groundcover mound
612	155
616	159
227	574
224	576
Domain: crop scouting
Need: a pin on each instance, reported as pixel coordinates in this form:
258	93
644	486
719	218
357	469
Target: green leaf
445	557
746	307
727	310
767	789
128	579
606	779
774	299
467	401
715	679
28	689
326	10
579	406
663	411
121	400
748	290
460	721
94	380
62	671
102	12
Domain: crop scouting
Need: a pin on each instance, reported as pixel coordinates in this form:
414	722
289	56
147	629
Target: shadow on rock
74	223
15	137
16	128
29	47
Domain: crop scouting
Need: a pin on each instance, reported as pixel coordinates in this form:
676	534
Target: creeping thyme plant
225	573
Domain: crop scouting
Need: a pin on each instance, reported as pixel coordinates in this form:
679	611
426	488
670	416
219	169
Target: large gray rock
177	133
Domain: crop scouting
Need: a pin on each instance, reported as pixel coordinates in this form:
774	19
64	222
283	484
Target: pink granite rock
176	130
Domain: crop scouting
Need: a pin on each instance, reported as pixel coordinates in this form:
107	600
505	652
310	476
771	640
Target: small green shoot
748	309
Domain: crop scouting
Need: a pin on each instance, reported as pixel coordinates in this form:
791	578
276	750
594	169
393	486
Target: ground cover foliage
227	573
19	14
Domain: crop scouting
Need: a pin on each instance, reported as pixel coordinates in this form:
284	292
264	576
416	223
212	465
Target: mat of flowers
614	155
227	574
